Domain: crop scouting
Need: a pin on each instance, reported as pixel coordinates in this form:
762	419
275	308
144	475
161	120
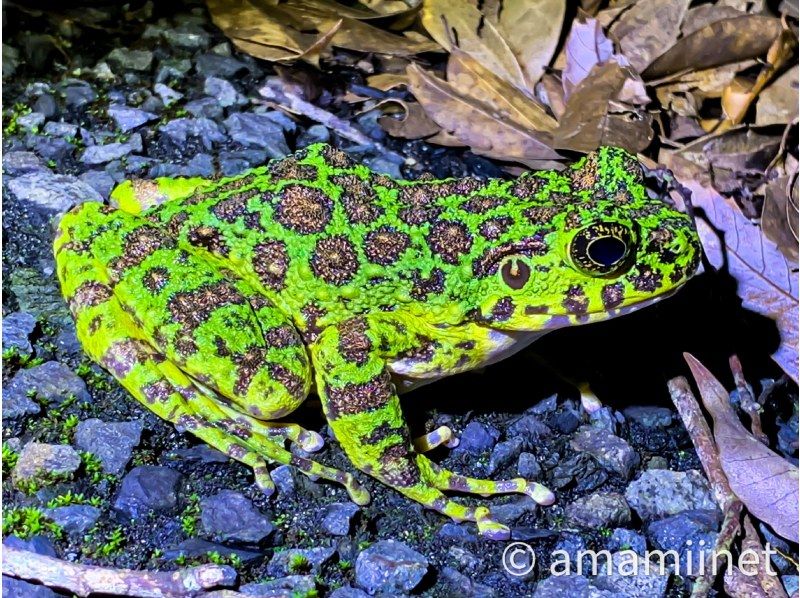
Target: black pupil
606	251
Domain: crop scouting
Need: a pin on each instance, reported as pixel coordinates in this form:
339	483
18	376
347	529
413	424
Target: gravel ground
165	95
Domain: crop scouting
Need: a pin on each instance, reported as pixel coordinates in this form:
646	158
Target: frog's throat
563	320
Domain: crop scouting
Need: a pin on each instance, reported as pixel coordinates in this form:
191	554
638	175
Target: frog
222	304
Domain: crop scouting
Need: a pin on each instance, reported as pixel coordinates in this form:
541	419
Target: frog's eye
515	272
602	249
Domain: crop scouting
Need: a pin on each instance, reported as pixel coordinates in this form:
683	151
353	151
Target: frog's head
587	244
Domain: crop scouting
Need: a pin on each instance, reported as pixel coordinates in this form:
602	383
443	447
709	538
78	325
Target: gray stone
204	107
111	442
38	294
128	118
39	461
658	493
148	488
390	567
19	162
74	519
172	69
168	95
77	94
457	533
630	576
46	104
51	148
477	438
337	518
348	592
100	181
37	544
625	539
31	121
52	193
530	428
691	534
791	583
511	511
187	36
198	548
214	65
308	560
464	587
200	165
314	134
134	60
257	130
290	586
570	586
649	417
17	327
229	515
10	64
612	452
201	452
100	154
599	510
17	588
504	453
51	382
61	129
528	467
204	129
224	92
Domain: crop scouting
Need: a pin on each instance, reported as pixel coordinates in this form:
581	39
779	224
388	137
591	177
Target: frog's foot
440	436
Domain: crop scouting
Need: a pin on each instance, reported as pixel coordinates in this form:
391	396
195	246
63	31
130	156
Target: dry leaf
777	104
763	480
779	217
387	81
649	29
586	47
476	124
721	42
699	16
393	8
594	116
414	124
501	40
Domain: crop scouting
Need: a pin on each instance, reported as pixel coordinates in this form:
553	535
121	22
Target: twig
85	580
747	400
695	423
771	584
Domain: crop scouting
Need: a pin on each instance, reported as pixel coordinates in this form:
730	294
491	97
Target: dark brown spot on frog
335	260
466	345
645	279
155	279
175	223
585	177
358	198
423	352
385	245
282	336
464	186
247	366
208	238
397	467
89	294
122	356
533	310
433	284
488	263
222	349
416	215
312	314
138	245
494	228
231	208
185	346
576	301
193	308
480	204
95	325
289	168
449	240
303	209
503	310
270	263
354	344
526	186
572	220
612	295
158	392
294	384
252	220
359	398
336	158
384	431
541	214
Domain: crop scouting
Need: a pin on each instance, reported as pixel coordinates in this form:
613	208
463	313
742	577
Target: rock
284	478
127	118
168	95
383	165
17	163
299	560
314	134
148	488
649	417
235	162
17	327
478	438
504	453
201	452
599	510
172	69
77	94
16	588
565	421
51	382
791	583
290	586
100	181
100	154
511	511
338	517
46	104
348	592
51	148
461	585
625	539
229	515
570	586
40	461
528	467
38	294
204	129
52	193
570	544
457	533
659	492
187	36
200	165
214	65
692	534
132	60
390	567
74	519
204	108
10	64
612	452
38	544
61	129
111	442
197	548
31	121
530	428
257	130
224	92
631	576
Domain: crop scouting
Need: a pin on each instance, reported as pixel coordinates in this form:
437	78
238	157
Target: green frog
221	304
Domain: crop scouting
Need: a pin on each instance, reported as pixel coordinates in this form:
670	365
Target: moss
298	563
65	500
191	515
9	458
25	522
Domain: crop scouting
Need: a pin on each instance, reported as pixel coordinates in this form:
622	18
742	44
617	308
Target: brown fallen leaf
721	42
414	123
649	29
586	46
764	481
476	124
777	104
594	116
779	217
501	40
698	17
387	81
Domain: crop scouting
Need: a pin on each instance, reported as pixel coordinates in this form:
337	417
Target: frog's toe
541	494
440	436
263	480
310	441
488	527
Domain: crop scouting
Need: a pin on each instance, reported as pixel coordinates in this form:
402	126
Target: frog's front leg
363	410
